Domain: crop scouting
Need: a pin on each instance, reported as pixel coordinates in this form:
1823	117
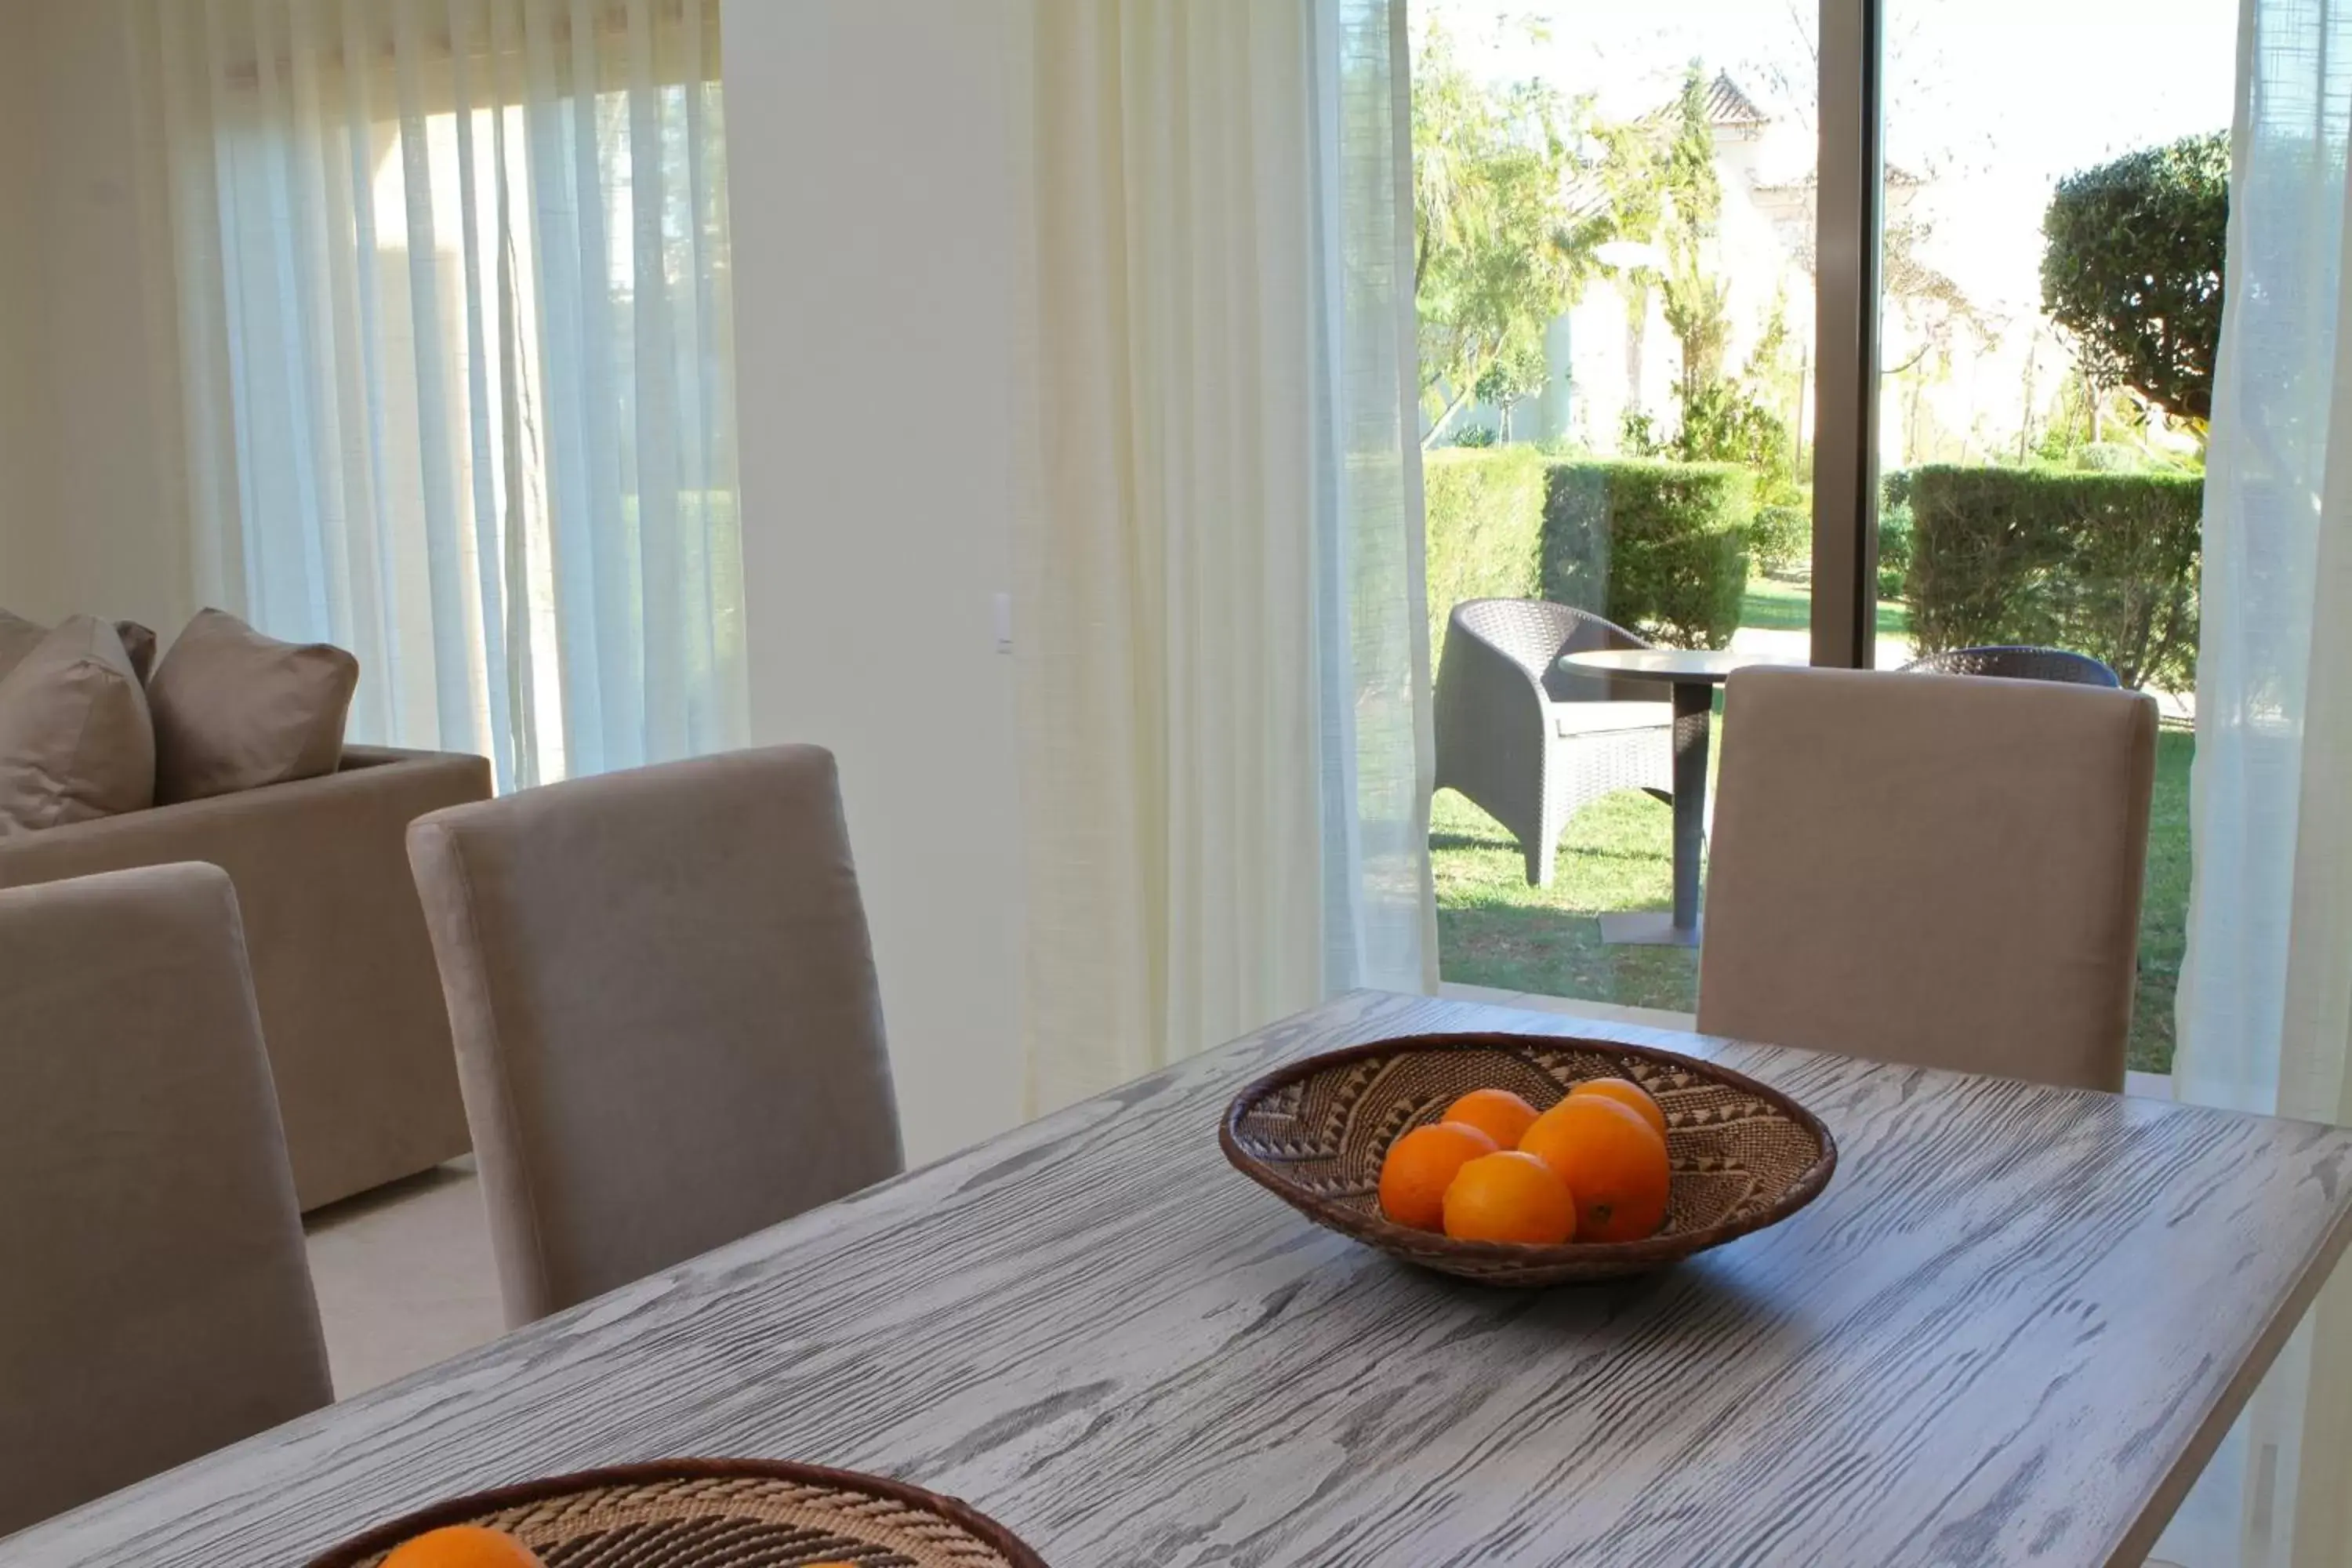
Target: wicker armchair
2011	663
1531	743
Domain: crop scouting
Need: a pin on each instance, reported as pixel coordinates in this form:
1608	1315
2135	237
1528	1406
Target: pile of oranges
473	1546
462	1546
1593	1168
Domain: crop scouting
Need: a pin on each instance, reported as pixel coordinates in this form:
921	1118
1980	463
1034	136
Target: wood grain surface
2011	1331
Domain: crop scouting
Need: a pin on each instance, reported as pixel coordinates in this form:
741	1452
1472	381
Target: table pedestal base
1647	928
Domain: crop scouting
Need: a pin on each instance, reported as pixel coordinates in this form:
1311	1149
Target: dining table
1692	674
2013	1328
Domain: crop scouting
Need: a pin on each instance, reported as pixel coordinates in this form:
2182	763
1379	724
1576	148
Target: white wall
126	550
878	150
89	519
24	444
879	154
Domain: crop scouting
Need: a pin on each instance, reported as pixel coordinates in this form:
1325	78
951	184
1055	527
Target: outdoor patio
1496	932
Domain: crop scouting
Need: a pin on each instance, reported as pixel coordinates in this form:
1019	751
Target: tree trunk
1637	321
1437	426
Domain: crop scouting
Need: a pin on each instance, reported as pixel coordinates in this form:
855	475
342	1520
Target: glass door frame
1850	220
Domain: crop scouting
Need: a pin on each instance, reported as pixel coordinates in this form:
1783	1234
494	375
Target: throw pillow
236	711
75	740
18	636
139	643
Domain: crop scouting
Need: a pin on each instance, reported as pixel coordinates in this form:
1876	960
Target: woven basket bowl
717	1513
1744	1155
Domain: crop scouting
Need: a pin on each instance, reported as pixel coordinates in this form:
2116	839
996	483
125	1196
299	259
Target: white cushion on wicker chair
1607	718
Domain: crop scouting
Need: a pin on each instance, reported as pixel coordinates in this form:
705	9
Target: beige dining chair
155	1299
668	1030
1936	869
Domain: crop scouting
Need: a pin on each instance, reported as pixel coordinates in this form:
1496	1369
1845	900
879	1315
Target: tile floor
404	1277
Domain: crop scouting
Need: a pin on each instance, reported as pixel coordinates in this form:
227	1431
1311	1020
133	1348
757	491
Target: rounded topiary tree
2131	268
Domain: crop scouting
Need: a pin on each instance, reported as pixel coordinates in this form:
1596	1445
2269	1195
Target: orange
1610	1160
1497	1112
1625	1092
462	1546
1419	1167
1509	1196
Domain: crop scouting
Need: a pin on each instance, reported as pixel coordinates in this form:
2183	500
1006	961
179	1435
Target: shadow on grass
1441	842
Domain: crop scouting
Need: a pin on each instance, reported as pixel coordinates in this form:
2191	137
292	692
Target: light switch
1004	622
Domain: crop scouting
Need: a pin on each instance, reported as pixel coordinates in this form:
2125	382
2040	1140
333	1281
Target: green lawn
1493	930
1783	606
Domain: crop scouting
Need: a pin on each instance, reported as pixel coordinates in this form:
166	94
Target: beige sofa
351	1003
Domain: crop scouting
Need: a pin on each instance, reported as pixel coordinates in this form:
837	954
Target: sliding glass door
1616	266
2050	307
1919	295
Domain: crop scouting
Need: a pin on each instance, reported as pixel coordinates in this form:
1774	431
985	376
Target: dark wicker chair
2014	663
1531	743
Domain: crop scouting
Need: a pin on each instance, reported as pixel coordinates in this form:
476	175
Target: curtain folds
1223	669
2265	1011
456	358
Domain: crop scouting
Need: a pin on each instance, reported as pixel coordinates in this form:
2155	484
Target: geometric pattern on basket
732	1522
1321	1136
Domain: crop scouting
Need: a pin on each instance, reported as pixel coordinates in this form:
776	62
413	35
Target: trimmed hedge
1781	538
1894	533
1486	528
2103	564
1658	547
1893	552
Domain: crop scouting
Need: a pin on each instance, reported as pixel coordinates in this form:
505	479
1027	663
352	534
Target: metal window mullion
1850	217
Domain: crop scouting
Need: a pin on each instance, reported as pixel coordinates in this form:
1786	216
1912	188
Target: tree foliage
1497	251
1694	301
1658	177
1516	375
2131	268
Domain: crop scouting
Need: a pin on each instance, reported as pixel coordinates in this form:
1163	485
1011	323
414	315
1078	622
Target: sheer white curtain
1221	648
2265	1001
456	358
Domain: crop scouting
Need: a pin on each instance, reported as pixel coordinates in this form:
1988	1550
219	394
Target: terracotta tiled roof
1728	106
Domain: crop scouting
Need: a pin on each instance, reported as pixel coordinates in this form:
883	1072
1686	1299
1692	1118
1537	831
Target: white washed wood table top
2009	1332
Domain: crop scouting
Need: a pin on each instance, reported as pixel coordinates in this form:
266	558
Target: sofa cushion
75	740
236	711
19	637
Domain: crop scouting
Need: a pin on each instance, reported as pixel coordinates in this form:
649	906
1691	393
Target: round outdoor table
1695	674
